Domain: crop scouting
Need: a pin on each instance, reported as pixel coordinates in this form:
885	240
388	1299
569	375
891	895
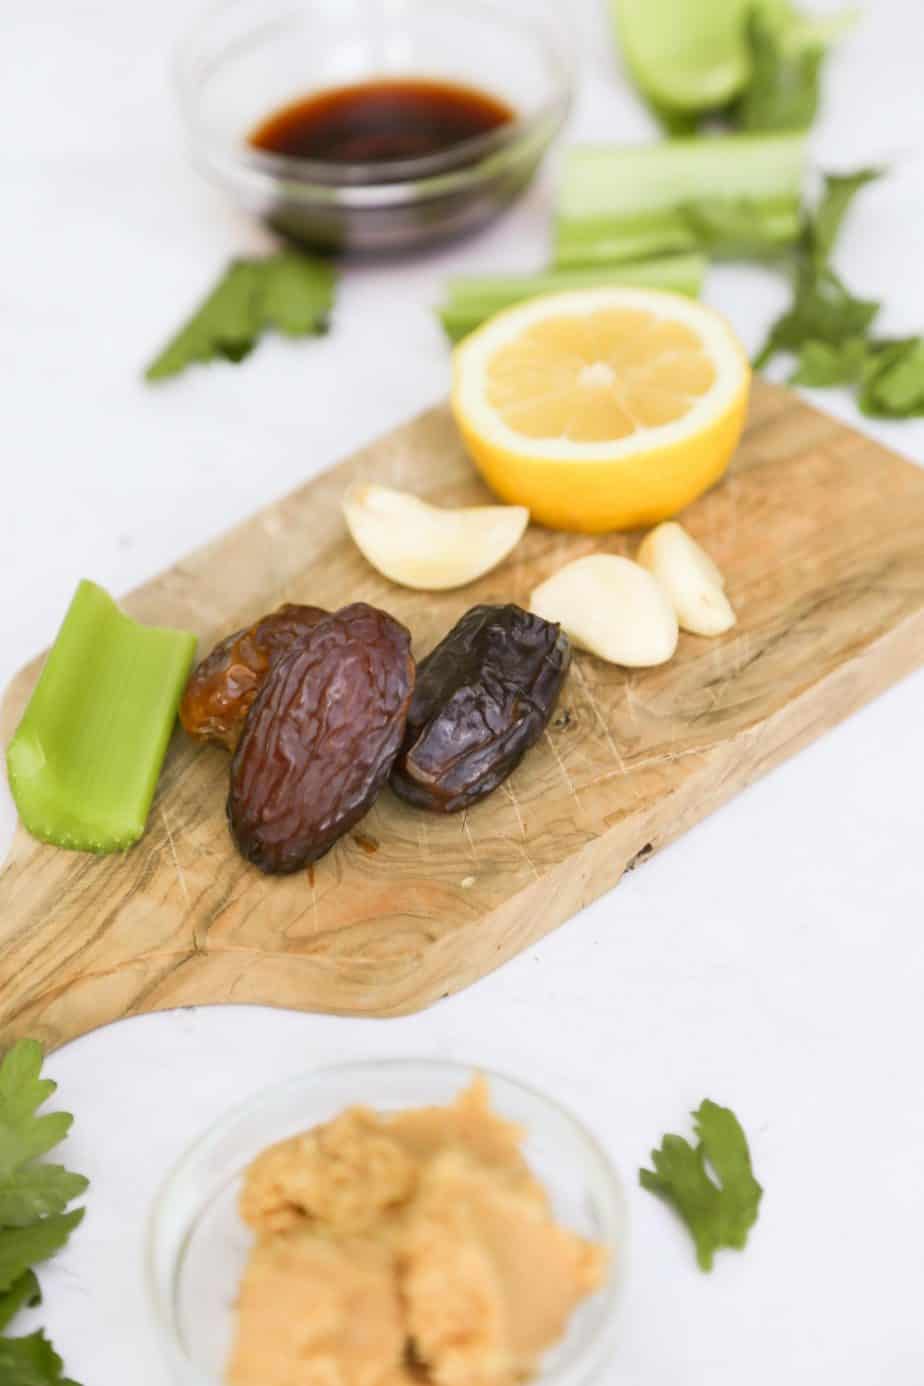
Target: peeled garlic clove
690	578
613	608
424	546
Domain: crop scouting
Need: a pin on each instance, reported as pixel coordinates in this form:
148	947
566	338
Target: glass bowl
197	1243
248	58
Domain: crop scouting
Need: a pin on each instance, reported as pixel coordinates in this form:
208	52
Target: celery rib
471	298
722	193
84	761
691	56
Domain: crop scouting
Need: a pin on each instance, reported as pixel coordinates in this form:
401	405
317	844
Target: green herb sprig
745	65
288	292
719	1212
34	1197
829	330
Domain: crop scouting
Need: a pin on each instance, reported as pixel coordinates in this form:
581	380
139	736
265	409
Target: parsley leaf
290	292
224	326
726	1148
35	1191
22	1247
827	328
297	294
23	1135
823	310
680	1177
718	1212
893	383
31	1361
28	1190
33	1197
822	364
23	1293
839	191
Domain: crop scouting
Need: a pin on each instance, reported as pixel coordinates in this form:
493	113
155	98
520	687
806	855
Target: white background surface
772	959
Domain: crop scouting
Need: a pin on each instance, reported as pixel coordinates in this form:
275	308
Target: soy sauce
381	121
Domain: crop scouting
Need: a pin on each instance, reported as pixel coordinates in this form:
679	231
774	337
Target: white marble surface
772	959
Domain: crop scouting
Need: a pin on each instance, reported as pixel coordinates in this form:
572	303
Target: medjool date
483	697
222	686
321	738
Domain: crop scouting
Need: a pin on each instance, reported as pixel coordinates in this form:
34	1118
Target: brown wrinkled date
484	696
222	686
321	737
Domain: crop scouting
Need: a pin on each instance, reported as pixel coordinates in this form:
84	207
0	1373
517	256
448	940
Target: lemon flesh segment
602	376
602	409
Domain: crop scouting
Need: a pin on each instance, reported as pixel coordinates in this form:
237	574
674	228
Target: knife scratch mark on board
176	861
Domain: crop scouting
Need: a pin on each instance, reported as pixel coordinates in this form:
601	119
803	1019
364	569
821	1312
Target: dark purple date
484	696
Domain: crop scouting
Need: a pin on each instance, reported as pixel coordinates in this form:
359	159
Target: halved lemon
602	409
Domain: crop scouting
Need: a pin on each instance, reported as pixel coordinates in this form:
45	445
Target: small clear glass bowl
198	1245
249	58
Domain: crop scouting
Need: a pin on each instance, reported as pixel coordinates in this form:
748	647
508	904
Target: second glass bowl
249	58
198	1245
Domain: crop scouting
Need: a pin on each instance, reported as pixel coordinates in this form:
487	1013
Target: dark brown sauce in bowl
380	159
381	122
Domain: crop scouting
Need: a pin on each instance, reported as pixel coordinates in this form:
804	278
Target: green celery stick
747	229
471	298
689	55
693	57
724	193
84	761
625	180
585	241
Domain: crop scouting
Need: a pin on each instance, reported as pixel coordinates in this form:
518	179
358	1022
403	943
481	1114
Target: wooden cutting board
821	534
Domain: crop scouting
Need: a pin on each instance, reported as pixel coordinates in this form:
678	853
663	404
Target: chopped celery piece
692	57
470	299
84	761
684	55
738	194
609	241
724	228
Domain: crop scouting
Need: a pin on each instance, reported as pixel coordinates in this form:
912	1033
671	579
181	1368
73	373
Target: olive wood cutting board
820	532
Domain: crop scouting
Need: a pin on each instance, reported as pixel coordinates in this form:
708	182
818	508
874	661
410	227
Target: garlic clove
425	546
612	607
691	579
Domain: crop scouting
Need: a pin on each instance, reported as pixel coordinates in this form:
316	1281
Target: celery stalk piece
580	243
684	55
637	180
760	229
84	761
690	56
724	193
471	298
